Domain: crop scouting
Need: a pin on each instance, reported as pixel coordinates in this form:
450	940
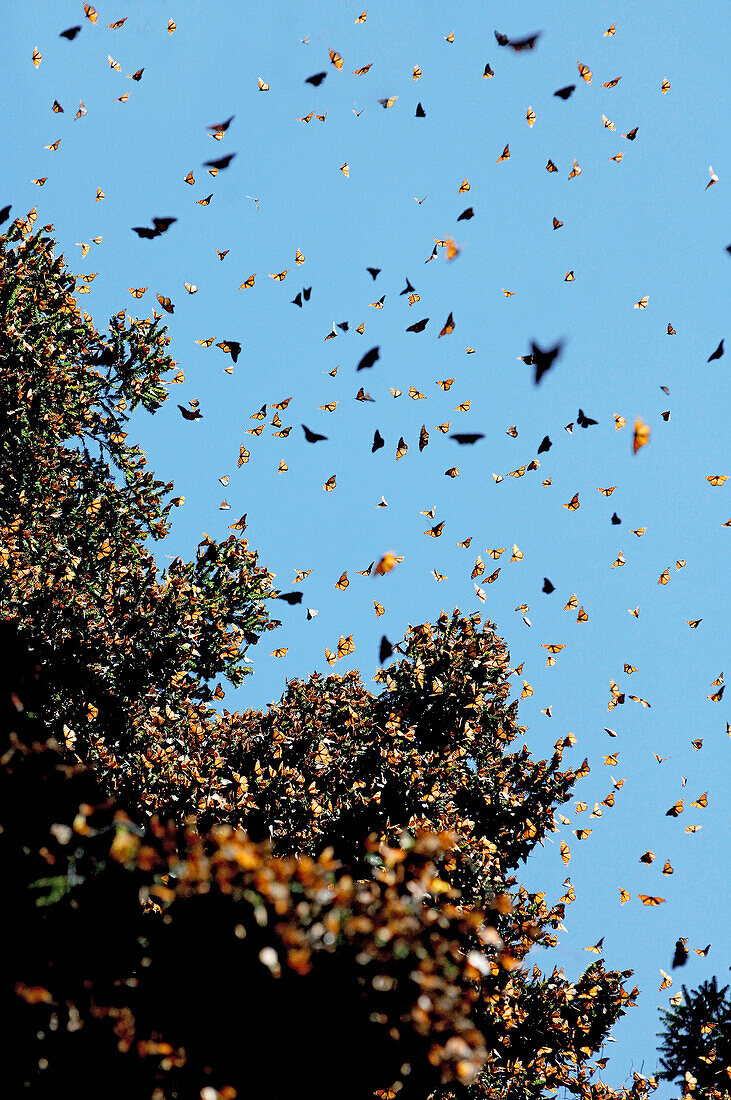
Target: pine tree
696	1041
320	897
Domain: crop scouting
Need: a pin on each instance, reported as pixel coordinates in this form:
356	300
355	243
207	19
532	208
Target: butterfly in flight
161	225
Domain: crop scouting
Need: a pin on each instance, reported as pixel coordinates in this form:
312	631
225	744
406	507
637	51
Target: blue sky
645	226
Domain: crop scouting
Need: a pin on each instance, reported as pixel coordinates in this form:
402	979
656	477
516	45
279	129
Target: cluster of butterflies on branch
541	360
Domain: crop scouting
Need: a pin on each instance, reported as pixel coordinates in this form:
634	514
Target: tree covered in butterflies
696	1041
323	896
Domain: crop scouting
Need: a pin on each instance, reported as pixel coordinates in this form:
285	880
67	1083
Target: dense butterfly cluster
332	765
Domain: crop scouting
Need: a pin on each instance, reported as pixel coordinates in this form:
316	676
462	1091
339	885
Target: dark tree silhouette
696	1041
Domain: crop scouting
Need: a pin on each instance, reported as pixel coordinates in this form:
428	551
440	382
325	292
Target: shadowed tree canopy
696	1041
319	897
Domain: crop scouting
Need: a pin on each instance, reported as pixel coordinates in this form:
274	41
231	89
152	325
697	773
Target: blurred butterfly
641	435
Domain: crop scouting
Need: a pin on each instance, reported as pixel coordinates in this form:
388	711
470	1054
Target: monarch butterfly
345	645
641	435
573	504
507	293
137	292
415	395
449	37
617	158
557	224
550	166
56	106
530	116
488	71
345	169
401	449
37	57
646	899
717	479
330	485
624	895
204	202
343	581
448	327
113	64
565	853
166	304
664	577
40	182
230	347
582	834
619	422
54	146
582	617
702	801
136	76
665	86
362	17
505	155
693	623
518	473
464	407
642	304
204	343
436	531
416	73
465	186
222	255
569	277
629	669
91	13
279	275
493	577
610	31
612	83
553	648
336	59
263	87
608	123
575	171
584	72
453	471
517	554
